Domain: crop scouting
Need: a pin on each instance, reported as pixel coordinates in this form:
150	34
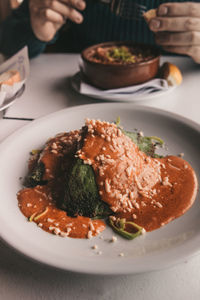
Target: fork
127	9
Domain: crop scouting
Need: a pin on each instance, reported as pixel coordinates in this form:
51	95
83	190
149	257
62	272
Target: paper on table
151	86
20	62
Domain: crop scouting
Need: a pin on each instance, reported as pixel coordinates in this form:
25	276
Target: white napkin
149	87
20	62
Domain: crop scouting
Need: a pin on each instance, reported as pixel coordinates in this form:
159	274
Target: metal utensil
127	9
10	101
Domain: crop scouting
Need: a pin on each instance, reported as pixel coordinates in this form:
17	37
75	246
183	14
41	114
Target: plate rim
158	111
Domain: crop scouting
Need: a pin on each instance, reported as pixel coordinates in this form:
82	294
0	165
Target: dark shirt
99	25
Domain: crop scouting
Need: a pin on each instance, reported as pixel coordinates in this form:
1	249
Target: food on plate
113	65
121	54
9	77
150	14
171	73
84	179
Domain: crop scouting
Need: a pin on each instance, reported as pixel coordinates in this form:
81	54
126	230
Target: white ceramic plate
155	250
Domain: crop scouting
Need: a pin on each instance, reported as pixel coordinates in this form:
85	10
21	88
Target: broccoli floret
81	193
35	176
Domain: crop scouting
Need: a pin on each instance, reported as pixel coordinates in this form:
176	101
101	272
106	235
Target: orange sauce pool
38	204
149	191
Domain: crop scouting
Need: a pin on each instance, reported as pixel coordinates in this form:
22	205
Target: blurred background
6	6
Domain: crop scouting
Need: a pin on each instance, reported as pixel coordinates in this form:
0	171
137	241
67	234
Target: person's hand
48	16
177	28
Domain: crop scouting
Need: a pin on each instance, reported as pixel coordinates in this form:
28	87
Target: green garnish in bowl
122	54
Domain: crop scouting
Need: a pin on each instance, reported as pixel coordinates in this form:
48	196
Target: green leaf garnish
145	143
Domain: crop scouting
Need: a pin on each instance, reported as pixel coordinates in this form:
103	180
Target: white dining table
48	89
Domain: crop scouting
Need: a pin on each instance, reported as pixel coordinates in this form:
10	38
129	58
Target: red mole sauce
150	191
38	204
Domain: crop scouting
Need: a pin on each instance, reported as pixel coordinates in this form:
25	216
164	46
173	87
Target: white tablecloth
48	90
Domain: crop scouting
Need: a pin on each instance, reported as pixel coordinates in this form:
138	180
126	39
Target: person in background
5	9
78	24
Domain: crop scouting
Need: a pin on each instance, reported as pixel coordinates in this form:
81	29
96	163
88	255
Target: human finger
51	15
55	4
189	9
57	12
67	11
192	51
178	39
79	4
175	24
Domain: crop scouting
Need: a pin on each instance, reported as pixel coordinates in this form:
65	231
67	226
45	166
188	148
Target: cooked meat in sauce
100	172
122	55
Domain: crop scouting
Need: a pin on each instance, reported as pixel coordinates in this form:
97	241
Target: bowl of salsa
113	65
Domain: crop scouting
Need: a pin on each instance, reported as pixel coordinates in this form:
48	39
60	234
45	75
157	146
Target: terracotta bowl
110	76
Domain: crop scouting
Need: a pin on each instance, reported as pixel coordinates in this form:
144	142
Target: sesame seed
130	204
181	154
158	204
89	235
140	133
95	247
113	239
50	220
107	186
114	208
134	216
54	146
121	254
165	181
69	230
57	231
64	234
143	231
51	227
91	226
54	151
119	133
131	195
136	205
108	139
